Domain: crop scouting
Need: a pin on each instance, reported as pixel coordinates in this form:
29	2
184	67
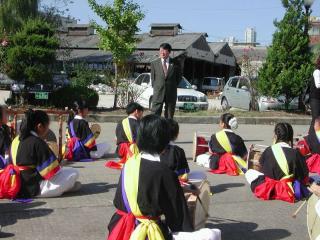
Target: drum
95	129
198	205
254	156
200	144
313	217
54	147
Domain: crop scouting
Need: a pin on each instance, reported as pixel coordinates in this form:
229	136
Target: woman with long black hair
40	172
284	173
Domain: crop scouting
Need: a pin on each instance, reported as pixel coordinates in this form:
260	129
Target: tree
32	52
13	13
118	37
288	63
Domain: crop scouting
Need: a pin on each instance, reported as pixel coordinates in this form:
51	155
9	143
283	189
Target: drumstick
294	215
60	138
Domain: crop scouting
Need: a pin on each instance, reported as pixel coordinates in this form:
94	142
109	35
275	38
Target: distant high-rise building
250	36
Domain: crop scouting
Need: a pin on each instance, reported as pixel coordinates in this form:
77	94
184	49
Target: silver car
237	94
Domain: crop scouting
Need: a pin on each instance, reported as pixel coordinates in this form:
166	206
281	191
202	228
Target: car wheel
225	104
150	104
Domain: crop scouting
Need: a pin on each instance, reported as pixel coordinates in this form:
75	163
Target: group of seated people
149	200
284	171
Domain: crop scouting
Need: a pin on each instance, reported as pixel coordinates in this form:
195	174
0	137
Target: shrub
64	97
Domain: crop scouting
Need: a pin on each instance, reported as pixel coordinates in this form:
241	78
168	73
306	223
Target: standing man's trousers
315	110
169	108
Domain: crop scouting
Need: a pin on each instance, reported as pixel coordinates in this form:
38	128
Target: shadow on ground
92	188
12	212
235	230
224	187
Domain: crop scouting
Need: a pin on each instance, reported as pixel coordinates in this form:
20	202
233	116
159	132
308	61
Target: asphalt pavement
85	214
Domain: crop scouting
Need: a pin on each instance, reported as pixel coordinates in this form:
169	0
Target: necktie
164	66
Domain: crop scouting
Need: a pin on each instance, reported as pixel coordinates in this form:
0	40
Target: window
139	79
233	82
244	82
146	79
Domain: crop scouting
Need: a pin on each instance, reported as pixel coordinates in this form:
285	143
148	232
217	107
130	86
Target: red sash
125	226
226	165
275	189
124	152
313	163
303	147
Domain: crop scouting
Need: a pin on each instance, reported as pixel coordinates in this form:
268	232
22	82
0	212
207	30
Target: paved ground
84	215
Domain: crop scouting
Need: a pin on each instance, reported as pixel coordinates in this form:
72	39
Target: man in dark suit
165	76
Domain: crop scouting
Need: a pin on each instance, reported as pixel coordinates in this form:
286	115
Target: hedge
66	96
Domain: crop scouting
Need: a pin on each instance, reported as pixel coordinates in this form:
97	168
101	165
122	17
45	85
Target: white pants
252	175
202	234
203	160
102	149
63	181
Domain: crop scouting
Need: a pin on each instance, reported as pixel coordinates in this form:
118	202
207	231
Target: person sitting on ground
174	156
40	172
284	173
80	140
126	134
5	138
148	189
309	147
226	149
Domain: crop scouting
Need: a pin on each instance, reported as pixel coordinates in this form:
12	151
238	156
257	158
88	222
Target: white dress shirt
316	76
166	61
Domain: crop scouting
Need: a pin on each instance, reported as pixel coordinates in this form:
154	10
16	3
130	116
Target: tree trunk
301	105
115	86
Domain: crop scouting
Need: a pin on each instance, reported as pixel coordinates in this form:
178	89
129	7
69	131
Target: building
314	30
249	59
197	58
250	36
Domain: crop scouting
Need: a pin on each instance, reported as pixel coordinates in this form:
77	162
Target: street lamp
307	5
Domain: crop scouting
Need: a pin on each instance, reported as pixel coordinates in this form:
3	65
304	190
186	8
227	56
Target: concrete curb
101	118
211	120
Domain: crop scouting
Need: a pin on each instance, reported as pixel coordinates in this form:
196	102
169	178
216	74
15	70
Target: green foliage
288	64
32	52
13	13
65	97
118	37
83	76
122	18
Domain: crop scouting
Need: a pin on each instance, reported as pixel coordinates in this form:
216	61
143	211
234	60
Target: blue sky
218	18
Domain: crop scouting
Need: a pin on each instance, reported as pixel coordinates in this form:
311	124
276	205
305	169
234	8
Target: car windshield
184	84
211	81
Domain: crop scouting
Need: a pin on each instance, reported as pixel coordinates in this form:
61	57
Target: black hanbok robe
175	158
218	152
42	164
159	193
313	147
120	133
271	170
80	140
5	142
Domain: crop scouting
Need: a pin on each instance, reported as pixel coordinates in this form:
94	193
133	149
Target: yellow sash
282	162
14	149
127	130
146	228
223	140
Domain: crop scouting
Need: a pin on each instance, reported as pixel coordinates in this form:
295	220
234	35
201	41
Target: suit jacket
165	86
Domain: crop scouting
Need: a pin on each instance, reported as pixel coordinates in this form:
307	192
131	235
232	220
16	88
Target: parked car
187	97
5	82
17	87
237	93
211	84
